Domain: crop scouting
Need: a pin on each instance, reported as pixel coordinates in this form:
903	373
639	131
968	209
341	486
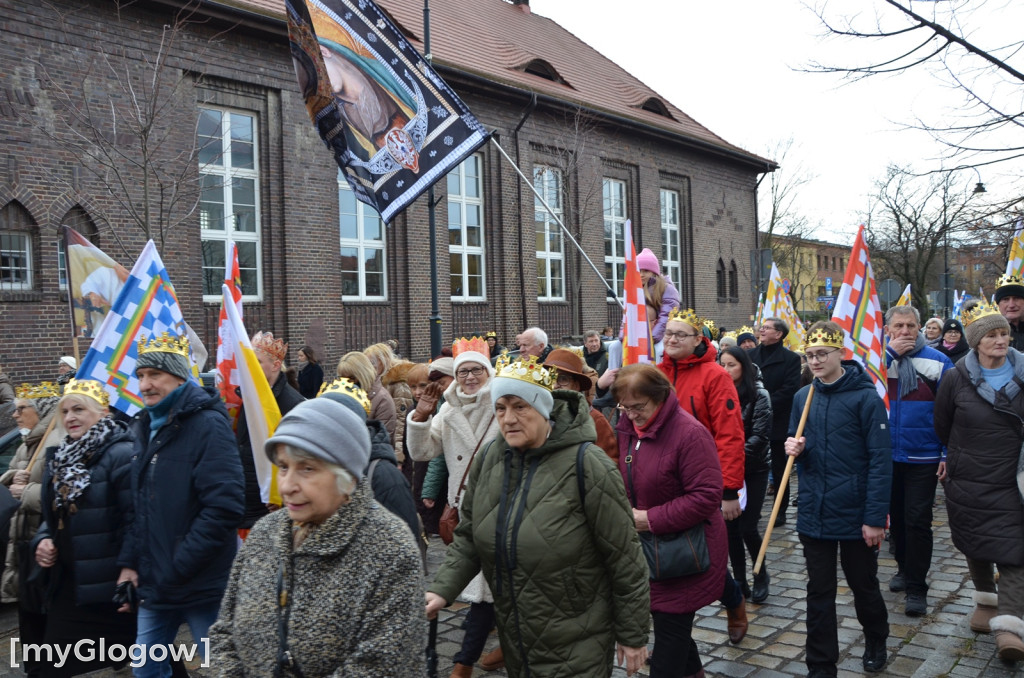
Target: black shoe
875	654
898	583
821	671
917	604
761	581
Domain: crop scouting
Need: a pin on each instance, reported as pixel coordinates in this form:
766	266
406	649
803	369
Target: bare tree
118	114
916	222
958	42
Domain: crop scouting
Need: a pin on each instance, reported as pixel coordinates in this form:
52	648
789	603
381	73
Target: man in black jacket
271	354
780	372
188	490
1010	299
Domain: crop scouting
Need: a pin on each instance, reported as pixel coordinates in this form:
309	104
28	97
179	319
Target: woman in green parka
545	517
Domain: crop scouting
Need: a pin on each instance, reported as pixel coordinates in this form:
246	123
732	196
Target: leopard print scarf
69	466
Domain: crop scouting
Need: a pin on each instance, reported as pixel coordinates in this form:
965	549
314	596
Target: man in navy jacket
188	489
918	459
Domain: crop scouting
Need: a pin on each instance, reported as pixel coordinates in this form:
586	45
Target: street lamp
978	188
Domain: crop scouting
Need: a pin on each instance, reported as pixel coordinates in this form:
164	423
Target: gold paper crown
527	369
165	343
578	350
478	344
979	311
710	324
746	329
492	335
1009	279
89	388
822	337
347	387
732	334
688	316
46	389
275	348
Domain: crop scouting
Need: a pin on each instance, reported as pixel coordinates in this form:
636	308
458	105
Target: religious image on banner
94	280
394	126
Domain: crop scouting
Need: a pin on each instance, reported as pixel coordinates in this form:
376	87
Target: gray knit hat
327	430
171	363
979	320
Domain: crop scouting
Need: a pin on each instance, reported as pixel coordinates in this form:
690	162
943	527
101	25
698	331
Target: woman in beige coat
463	425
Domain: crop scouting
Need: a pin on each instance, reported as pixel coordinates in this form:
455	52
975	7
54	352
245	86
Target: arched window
734	281
17	231
720	280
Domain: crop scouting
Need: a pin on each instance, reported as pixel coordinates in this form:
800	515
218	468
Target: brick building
318	267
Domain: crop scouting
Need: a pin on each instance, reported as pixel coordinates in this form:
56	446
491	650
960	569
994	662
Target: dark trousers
32	630
743	531
675	652
479	622
910	511
779	459
860	565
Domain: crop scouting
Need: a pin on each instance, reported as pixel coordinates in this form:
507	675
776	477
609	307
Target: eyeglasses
678	335
821	356
475	371
772	328
633	409
565	381
22	408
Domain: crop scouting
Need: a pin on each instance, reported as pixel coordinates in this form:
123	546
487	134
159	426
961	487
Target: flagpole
558	220
71	295
435	311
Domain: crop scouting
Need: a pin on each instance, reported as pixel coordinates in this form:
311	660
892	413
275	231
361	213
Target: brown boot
493	660
462	671
1009	632
737	622
985	608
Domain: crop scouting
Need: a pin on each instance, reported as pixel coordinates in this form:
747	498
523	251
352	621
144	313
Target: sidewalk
938	645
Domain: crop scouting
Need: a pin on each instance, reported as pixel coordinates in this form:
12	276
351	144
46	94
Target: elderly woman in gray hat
308	594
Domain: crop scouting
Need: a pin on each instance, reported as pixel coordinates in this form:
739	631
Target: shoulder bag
678	554
450	516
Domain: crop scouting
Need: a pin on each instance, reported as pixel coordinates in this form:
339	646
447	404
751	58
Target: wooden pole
42	441
780	489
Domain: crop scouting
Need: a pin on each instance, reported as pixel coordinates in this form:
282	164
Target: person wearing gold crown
34	410
459	430
545	517
271	354
845	464
1010	299
189	493
979	416
86	506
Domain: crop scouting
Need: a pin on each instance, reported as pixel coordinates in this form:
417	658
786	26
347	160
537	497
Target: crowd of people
562	482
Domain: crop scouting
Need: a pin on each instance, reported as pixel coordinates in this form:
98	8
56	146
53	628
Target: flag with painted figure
227	368
905	299
93	280
262	415
860	315
636	334
394	126
1015	263
146	305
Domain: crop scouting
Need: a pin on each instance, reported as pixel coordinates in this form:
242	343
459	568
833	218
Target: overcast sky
733	66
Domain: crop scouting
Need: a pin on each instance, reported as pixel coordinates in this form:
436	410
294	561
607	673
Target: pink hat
646	261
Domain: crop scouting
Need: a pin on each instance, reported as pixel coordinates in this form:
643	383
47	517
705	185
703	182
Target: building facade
185	124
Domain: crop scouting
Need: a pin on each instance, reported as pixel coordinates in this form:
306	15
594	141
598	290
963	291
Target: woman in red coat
669	464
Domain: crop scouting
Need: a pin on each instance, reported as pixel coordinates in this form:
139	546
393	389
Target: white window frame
671	235
227	172
26	252
362	244
548	229
614	223
458	203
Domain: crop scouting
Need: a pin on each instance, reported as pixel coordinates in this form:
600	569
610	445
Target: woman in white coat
459	430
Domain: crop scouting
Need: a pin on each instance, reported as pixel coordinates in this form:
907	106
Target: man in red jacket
705	390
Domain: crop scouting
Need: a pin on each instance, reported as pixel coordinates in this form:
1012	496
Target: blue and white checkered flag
147	305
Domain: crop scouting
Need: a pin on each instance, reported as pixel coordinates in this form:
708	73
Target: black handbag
678	554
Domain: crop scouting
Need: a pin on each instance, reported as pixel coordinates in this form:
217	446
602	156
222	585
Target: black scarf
69	466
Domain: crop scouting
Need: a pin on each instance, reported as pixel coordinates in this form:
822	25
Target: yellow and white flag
1015	264
905	298
262	414
777	304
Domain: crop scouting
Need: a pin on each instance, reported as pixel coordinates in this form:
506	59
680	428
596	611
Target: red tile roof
495	40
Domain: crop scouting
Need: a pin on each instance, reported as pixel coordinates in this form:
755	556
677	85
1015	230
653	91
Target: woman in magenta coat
670	466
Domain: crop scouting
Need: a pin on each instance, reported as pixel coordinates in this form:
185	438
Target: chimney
523	5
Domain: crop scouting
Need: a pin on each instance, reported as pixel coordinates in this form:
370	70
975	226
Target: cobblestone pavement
938	645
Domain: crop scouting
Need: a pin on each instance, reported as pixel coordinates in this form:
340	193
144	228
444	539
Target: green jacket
568	583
